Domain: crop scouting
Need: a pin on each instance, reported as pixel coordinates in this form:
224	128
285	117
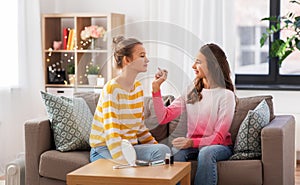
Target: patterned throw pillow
70	120
248	140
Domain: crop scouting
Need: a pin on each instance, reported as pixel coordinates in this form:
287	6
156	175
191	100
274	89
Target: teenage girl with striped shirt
120	109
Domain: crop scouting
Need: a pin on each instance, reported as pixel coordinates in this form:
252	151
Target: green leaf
278	26
283	48
272	19
294	1
297	44
288	21
286	54
297	18
290	43
297	23
276	48
263	39
273	28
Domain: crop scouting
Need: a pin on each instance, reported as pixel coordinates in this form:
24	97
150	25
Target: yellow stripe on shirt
132	96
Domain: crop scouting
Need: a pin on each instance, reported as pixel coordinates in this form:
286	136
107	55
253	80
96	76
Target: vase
92	79
93	42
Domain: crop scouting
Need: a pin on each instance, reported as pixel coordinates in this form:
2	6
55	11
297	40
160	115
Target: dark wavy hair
123	47
219	72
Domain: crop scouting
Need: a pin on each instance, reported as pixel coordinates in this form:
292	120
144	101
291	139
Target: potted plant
92	73
282	48
71	73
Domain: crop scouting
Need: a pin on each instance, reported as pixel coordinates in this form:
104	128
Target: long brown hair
218	68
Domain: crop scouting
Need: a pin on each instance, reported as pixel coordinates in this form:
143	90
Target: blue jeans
145	152
208	156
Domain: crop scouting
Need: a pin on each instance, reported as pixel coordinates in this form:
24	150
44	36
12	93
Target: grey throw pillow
90	98
70	120
248	140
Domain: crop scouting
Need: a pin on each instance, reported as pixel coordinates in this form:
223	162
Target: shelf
78	50
92	51
72	86
59	51
61	27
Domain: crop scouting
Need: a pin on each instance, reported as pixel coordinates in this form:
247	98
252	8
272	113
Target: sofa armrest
278	151
38	139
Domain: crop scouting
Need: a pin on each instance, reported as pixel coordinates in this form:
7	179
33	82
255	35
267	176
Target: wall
134	9
20	104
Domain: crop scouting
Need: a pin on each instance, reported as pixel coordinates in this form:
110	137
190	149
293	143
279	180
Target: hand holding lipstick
160	77
161	73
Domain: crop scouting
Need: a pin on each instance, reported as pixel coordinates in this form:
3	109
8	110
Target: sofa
47	166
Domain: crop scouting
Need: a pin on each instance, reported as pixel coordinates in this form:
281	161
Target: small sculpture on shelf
56	74
57	45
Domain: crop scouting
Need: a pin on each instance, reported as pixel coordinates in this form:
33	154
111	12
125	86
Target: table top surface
103	168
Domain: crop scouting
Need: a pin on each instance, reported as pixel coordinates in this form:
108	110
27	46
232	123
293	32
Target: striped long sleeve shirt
119	115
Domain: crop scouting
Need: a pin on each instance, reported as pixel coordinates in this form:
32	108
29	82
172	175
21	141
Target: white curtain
181	28
22	103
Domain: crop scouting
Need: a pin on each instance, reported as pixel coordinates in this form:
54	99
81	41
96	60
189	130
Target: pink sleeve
167	114
223	124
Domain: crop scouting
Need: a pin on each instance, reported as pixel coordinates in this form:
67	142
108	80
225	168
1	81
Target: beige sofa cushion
56	165
244	172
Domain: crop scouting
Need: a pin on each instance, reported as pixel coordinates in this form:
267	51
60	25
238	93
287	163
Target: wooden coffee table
101	172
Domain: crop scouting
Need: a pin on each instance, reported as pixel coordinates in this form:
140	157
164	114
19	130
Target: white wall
134	9
20	104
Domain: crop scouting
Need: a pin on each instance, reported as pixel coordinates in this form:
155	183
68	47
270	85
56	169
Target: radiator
15	171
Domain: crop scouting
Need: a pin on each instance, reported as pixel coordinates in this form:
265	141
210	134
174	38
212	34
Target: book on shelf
65	37
71	40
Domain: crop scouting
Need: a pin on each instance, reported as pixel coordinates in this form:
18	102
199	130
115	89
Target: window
253	67
291	65
251	58
9	44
